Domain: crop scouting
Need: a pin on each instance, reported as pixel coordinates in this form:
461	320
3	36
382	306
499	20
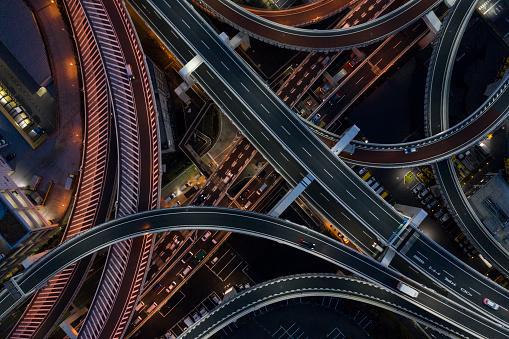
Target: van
375	185
407	290
379	190
185	271
139	306
370	181
129	72
246	206
169	335
137	321
188	321
152	307
259	192
228	177
215	299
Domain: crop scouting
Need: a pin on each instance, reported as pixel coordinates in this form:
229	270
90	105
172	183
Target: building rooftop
20	38
491	204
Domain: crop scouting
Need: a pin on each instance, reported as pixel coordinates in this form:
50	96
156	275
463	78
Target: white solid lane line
353	196
373	215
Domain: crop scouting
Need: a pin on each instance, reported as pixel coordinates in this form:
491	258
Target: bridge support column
449	3
14	290
240	39
290	197
432	21
66	324
186	73
343	143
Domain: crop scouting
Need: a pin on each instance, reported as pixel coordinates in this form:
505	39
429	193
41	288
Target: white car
491	304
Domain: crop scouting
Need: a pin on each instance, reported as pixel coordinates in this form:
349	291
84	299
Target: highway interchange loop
258	225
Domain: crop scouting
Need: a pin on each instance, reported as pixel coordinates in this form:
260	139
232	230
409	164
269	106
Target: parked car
427	199
10	156
439	213
444	218
417	188
362	171
206	236
334	99
432	205
171	287
423	193
262	174
316	118
187	257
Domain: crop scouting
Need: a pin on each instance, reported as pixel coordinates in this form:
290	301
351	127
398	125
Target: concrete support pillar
432	21
290	197
449	3
346	138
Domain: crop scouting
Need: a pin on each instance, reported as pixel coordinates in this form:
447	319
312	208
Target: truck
199	256
70	181
407	289
188	321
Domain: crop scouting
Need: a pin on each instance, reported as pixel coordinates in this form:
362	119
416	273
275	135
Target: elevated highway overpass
477	321
318	40
437	121
303	14
318	285
266	121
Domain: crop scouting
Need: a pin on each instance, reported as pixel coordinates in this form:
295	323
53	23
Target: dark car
334	99
157	287
262	174
187	257
245	193
10	156
306	244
